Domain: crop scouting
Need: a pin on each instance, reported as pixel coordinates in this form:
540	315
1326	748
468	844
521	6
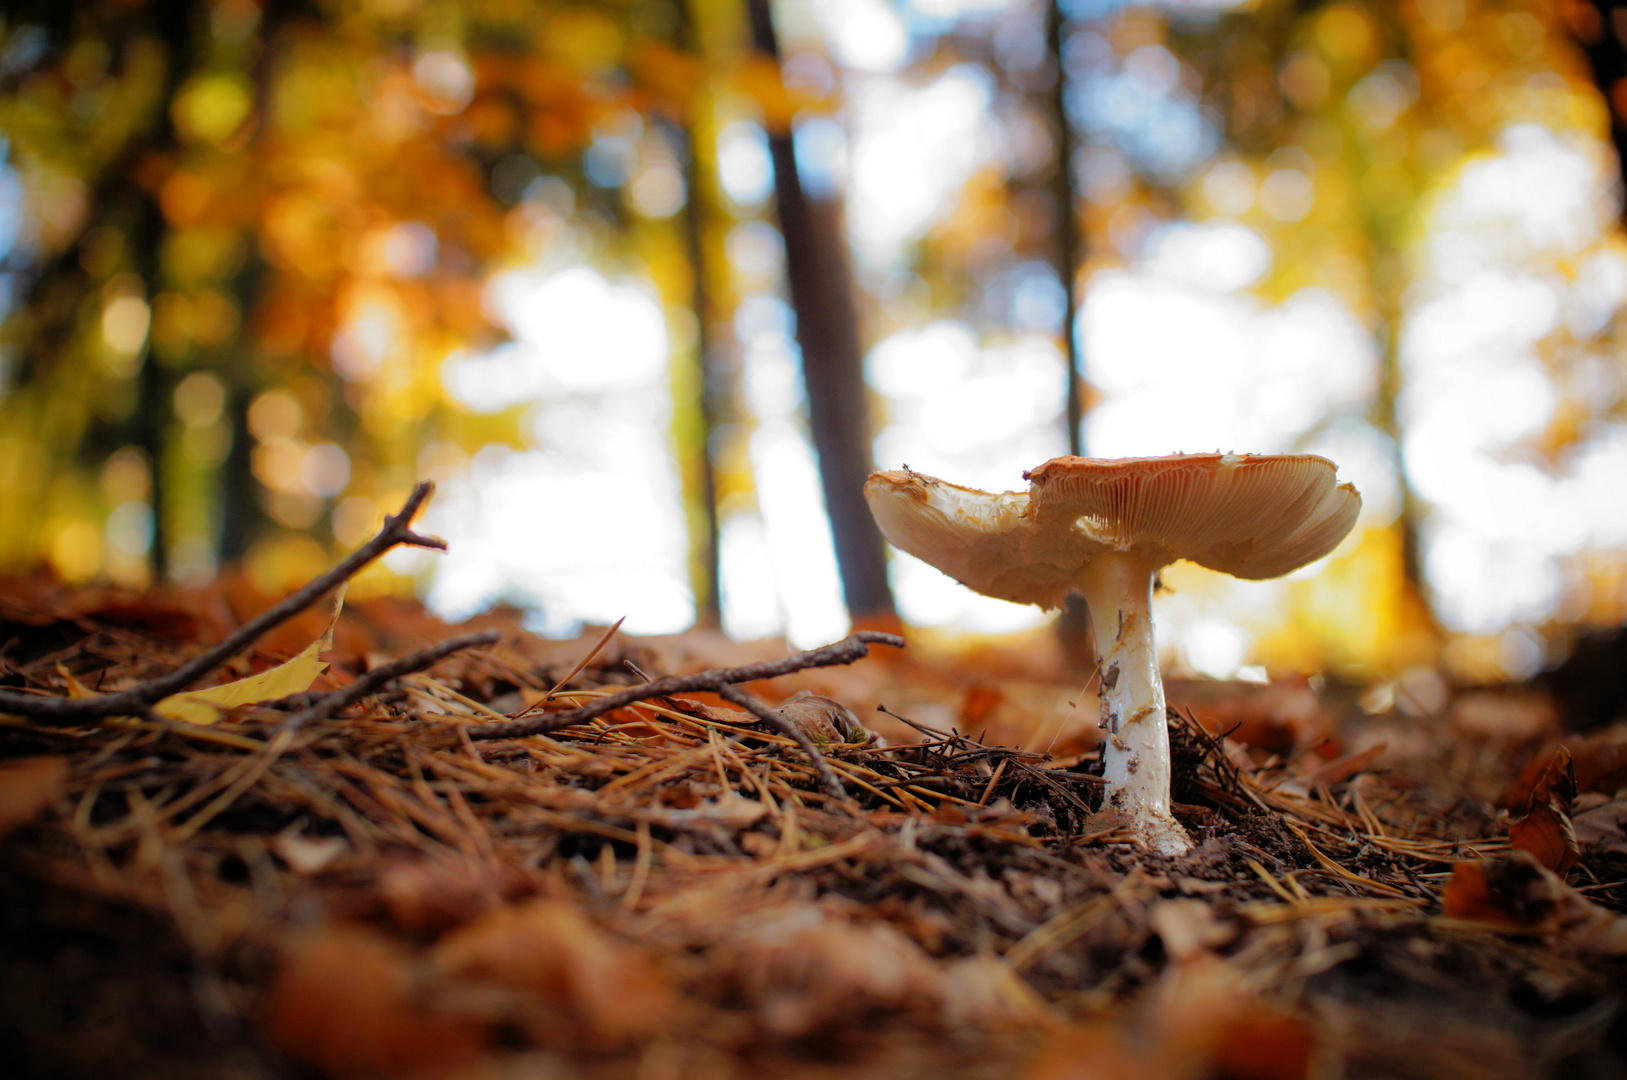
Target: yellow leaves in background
581	39
759	78
294	677
211	108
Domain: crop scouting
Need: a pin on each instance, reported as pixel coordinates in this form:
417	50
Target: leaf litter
508	857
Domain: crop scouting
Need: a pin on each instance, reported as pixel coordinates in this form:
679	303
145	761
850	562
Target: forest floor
673	889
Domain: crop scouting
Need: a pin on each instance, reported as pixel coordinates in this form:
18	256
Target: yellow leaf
76	689
294	677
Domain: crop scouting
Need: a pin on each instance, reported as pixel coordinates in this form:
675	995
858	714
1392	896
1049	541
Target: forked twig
138	700
373	680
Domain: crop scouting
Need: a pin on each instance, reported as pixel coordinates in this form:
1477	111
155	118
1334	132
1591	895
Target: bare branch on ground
138	700
846	651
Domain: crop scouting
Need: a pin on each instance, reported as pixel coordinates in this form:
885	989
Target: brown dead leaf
1603	826
822	719
1543	796
28	786
166	618
434	895
1601	765
549	950
1550	772
1547	833
1200	1021
703	710
1092	1051
1207	1021
809	972
346	1001
1345	767
1264	1045
1514	892
1278	717
985	990
981	699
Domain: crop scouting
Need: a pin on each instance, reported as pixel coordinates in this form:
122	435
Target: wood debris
511	859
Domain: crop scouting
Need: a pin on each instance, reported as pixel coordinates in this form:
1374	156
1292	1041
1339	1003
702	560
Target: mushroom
1106	527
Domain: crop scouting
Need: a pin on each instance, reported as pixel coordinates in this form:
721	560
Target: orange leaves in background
670	78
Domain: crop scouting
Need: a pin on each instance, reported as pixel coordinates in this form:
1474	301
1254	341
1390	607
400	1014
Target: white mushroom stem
1135	749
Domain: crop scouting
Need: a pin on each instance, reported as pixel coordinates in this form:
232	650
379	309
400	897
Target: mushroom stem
1135	751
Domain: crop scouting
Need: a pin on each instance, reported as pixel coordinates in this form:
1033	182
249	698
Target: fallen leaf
1603	827
1344	768
549	950
28	786
1201	1020
1514	892
821	719
432	895
980	700
1601	765
1547	833
1091	1051
1263	1045
1542	797
346	1001
809	972
293	677
1277	717
1204	1013
1549	772
985	990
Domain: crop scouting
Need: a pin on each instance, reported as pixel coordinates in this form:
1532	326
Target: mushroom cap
1249	515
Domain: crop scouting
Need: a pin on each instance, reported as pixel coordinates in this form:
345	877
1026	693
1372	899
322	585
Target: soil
669	890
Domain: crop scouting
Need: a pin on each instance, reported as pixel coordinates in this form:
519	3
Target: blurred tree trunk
711	389
1073	625
1069	235
1600	27
172	22
832	362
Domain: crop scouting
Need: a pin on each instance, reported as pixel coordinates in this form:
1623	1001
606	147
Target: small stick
575	671
827	775
328	704
138	699
279	743
846	651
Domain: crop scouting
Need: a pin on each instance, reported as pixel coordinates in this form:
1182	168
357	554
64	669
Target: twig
137	700
827	775
328	704
846	651
575	671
